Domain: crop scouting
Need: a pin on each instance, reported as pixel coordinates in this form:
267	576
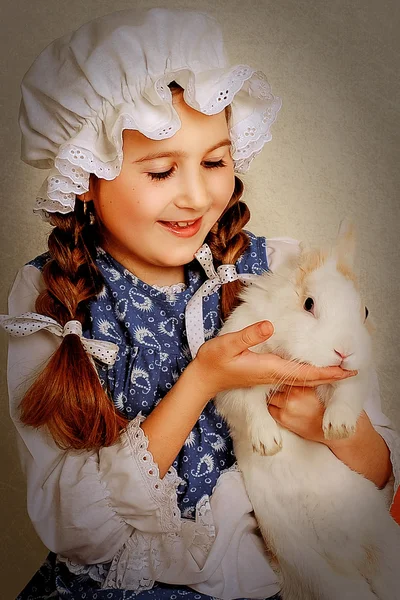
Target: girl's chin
182	256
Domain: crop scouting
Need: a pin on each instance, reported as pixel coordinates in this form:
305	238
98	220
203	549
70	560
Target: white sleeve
69	502
221	554
384	427
92	507
278	249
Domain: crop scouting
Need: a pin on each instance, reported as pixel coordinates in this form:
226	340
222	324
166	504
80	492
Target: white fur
328	526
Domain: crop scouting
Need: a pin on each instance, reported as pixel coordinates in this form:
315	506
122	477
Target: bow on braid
67	396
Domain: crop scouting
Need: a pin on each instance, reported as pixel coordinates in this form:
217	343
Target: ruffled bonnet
112	74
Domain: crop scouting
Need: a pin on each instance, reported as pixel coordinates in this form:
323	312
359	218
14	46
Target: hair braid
228	241
67	396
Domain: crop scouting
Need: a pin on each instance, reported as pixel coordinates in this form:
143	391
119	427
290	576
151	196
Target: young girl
130	471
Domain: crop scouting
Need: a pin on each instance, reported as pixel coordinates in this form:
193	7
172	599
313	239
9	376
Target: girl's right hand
225	362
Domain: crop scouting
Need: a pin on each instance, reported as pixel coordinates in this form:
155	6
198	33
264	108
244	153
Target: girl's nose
194	194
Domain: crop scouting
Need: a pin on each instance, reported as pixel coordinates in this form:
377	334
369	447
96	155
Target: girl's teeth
183	223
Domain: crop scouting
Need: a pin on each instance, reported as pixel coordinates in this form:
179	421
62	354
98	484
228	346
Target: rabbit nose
343	356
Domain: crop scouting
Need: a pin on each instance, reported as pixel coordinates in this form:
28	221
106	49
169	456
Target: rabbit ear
346	242
291	260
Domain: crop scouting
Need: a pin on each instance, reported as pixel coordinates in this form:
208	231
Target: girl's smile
182	228
157	213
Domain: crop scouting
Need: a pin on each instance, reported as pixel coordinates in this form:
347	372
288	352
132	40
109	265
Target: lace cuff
220	554
169	557
136	492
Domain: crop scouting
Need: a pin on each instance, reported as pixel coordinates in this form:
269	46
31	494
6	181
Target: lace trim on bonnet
73	164
84	90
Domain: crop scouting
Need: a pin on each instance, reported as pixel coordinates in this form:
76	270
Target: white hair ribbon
31	322
194	309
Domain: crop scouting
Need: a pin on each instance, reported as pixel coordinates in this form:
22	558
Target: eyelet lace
96	572
74	163
144	557
163	490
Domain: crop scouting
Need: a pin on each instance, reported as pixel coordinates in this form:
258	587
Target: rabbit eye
366	313
309	305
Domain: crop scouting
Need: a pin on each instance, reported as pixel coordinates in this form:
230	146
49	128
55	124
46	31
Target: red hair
67	397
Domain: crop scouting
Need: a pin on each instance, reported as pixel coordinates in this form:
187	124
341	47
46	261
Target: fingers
324	373
278	399
285	371
249	336
300	374
311	376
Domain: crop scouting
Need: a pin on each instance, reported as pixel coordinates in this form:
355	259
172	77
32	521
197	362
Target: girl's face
163	186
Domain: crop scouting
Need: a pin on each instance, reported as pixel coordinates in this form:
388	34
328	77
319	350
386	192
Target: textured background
334	153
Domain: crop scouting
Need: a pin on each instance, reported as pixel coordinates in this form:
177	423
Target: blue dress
149	326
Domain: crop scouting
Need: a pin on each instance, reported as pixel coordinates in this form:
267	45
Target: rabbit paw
266	439
339	422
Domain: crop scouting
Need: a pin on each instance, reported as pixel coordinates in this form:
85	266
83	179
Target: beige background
335	152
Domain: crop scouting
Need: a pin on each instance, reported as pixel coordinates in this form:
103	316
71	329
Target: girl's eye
309	305
208	164
159	176
214	164
366	313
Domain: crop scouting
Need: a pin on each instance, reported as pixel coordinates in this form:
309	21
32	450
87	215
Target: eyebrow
178	153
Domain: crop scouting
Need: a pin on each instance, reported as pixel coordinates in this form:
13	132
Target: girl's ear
346	243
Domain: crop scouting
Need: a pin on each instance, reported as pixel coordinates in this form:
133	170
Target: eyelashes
208	165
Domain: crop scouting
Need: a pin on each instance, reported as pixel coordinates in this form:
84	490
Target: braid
71	276
67	396
228	241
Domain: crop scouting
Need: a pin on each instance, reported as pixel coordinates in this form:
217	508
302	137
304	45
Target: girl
130	472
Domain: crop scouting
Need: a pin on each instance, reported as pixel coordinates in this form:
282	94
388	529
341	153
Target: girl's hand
299	410
225	362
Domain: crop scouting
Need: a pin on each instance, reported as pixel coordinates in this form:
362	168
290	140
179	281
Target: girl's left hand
300	410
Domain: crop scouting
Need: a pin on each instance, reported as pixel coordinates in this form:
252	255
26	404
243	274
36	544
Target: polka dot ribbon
194	309
31	322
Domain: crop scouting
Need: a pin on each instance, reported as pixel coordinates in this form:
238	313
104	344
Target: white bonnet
112	74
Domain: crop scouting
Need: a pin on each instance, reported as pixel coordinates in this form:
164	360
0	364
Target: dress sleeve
72	498
111	506
386	430
278	250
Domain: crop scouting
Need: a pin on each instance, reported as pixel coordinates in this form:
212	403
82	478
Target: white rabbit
328	528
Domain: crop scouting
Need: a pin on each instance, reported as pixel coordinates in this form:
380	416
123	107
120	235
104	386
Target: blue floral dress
148	324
